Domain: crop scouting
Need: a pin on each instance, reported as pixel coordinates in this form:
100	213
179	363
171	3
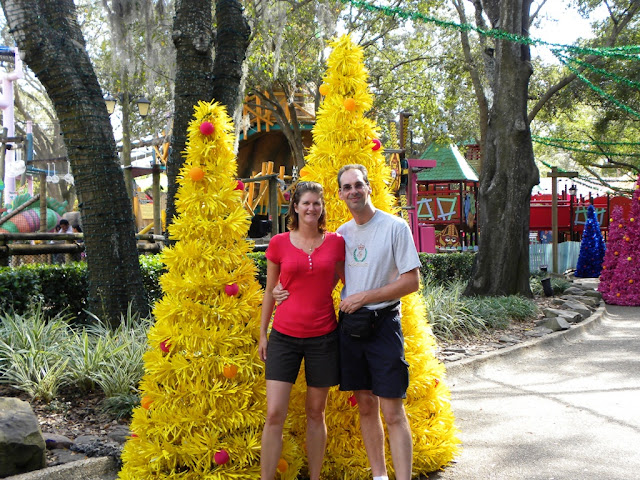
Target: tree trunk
508	171
232	41
197	78
49	35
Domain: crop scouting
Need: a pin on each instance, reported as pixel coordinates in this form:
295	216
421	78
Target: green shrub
446	267
447	311
33	353
152	268
498	312
120	372
63	288
261	266
558	284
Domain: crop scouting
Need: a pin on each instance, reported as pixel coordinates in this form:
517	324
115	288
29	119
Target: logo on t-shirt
360	253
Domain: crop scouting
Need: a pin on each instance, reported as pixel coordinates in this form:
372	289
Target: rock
455	350
552	312
119	434
581	308
62	456
569	316
22	447
593	293
454	357
591	302
53	441
538	332
94	446
556	324
574	291
508	339
557	301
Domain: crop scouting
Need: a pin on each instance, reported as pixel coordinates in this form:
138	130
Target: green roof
451	165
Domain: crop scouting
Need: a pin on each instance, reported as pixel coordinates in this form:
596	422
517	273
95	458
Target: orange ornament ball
282	465
616	253
631	280
618	294
349	104
626	239
619	225
629	259
303	172
230	371
323	89
196	174
632	219
146	402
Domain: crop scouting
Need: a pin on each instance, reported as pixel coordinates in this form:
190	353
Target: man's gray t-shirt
377	253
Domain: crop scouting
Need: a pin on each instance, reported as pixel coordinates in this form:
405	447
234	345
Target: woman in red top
307	261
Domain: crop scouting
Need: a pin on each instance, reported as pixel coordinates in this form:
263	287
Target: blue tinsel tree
591	248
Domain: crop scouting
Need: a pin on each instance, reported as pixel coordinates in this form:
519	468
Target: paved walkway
566	409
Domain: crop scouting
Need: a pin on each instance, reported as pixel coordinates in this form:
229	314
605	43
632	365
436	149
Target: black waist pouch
359	324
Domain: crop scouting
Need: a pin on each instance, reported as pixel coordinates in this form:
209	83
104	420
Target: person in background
307	261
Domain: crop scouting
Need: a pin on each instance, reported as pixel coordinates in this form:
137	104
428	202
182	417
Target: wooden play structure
262	140
267	195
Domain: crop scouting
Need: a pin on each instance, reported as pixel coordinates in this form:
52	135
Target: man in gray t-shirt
381	266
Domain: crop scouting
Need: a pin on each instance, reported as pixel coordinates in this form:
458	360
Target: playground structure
261	138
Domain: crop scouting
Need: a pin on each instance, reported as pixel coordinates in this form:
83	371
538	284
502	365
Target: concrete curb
472	365
101	468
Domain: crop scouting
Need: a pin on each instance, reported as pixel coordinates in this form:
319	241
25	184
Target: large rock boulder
22	447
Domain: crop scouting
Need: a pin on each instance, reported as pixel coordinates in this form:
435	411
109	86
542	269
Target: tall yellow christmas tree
342	135
203	392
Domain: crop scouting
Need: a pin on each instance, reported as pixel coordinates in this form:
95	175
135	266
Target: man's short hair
354	166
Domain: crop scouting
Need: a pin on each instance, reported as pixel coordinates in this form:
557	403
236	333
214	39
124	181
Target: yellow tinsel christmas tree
342	135
203	393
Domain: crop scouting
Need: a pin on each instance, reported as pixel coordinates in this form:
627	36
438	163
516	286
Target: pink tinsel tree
625	285
617	231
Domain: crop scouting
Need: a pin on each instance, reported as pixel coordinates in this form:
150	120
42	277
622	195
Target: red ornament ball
352	400
164	346
221	457
376	145
196	174
207	128
240	185
231	289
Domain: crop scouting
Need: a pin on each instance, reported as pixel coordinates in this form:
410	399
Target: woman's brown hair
301	189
